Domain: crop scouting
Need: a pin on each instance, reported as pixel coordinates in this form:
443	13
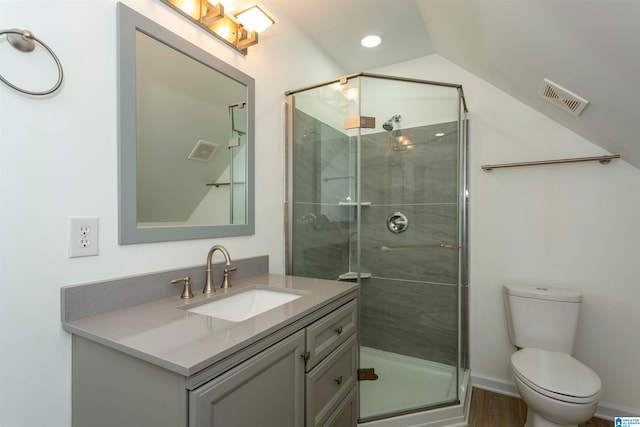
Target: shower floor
404	383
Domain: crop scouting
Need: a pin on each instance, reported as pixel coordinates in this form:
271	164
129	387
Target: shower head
388	125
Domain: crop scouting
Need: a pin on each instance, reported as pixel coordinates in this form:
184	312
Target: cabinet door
267	391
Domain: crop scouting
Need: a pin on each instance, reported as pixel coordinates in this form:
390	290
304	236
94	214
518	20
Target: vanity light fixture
255	17
237	29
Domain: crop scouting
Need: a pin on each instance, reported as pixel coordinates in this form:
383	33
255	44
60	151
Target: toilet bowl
558	389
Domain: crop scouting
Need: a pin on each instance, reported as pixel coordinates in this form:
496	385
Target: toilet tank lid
541	292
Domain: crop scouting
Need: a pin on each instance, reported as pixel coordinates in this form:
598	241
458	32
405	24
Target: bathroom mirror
186	155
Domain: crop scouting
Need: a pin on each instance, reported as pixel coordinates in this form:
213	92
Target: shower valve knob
397	222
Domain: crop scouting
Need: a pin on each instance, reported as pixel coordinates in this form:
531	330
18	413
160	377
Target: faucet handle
225	277
186	291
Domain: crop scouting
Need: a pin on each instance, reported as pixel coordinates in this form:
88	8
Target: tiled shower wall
321	179
409	305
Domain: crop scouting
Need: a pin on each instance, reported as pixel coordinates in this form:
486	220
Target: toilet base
536	420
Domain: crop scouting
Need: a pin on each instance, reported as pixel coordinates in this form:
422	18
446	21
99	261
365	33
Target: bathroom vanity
159	364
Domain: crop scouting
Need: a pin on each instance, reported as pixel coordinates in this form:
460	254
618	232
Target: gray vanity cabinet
332	366
267	391
304	374
346	415
272	389
330	382
327	333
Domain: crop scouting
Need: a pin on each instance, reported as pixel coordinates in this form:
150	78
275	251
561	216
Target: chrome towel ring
25	41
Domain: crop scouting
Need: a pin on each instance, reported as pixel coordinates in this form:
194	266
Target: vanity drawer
330	382
328	333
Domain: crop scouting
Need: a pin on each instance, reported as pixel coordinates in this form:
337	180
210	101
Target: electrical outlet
83	236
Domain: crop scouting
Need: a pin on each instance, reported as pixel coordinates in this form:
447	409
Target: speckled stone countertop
164	333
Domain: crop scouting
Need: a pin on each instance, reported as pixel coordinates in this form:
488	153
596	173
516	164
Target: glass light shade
255	18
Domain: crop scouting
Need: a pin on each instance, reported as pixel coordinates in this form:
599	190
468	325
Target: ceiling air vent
203	151
561	97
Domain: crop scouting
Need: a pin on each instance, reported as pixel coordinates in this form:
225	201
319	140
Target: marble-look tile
429	226
411	318
425	174
464	327
320	242
410	305
323	171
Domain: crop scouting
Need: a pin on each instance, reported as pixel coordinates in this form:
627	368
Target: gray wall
320	227
409	306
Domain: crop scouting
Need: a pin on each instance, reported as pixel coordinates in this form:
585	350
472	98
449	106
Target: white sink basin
245	304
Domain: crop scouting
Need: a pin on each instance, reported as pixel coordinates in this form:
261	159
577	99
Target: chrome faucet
208	287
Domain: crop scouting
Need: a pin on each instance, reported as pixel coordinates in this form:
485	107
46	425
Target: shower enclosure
376	193
237	165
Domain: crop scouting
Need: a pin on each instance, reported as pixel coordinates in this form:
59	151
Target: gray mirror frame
130	21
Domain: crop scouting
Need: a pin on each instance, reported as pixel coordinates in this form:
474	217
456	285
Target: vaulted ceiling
590	47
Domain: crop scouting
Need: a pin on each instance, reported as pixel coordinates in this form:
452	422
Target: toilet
558	389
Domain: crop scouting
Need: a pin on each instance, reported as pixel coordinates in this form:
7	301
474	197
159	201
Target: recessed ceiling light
371	41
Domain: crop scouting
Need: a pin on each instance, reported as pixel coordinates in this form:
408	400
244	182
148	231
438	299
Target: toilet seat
556	375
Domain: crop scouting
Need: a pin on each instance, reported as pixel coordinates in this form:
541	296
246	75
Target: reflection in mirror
186	157
185	113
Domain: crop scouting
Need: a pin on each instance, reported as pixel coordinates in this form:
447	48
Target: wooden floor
497	410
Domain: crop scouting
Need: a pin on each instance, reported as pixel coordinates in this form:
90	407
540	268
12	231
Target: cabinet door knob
338	380
306	355
338	330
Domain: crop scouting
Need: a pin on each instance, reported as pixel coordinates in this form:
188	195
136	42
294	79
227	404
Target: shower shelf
354	204
352	275
218	184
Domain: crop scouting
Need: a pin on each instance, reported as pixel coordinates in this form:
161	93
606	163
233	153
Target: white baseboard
608	411
605	410
494	385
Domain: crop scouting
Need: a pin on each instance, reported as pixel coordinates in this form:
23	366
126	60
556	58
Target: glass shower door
237	164
322	190
375	181
409	241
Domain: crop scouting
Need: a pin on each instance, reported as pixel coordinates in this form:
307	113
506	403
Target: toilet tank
542	318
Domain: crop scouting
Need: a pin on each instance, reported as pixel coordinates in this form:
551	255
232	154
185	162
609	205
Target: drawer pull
338	330
306	355
338	380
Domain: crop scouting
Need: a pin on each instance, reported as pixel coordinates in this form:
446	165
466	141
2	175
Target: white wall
58	159
573	226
